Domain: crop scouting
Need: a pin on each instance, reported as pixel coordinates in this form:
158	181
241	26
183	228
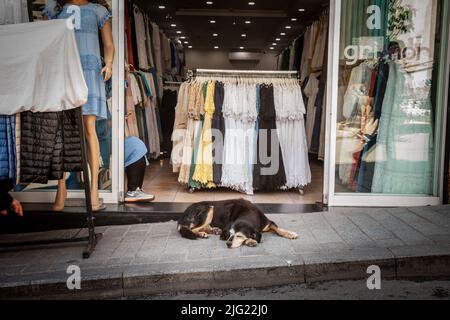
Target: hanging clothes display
253	120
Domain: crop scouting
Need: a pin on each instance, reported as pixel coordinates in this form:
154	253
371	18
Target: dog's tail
186	232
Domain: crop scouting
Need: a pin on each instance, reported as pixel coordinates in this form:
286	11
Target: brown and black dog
238	222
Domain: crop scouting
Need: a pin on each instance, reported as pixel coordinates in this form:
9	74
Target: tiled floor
160	181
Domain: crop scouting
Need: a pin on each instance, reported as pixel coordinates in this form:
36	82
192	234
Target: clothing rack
93	237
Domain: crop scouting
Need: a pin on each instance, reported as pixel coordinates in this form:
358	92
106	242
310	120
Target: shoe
138	196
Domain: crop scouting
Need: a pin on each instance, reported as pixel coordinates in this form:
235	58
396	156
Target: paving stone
400	229
423	226
429	214
320	229
370	227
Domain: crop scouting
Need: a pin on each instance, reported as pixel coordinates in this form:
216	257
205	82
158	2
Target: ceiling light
274	44
243	35
186	42
173	25
288	27
162	7
179	32
209	3
251	3
282	34
301	10
294	19
216	47
242	48
272	48
277	39
248	22
213	21
183	38
190	47
215	35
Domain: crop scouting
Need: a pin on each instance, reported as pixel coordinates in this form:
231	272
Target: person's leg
135	174
61	195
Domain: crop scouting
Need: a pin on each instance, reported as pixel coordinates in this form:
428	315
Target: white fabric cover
40	68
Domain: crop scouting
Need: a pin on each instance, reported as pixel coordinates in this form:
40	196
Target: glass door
387	102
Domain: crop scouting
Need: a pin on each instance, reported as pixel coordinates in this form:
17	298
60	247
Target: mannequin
95	74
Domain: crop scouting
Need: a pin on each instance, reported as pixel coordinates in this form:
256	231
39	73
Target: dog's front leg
251	243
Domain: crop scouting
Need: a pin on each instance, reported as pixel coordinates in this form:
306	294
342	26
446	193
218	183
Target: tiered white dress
290	111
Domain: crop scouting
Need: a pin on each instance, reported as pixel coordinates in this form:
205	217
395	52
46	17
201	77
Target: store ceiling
266	20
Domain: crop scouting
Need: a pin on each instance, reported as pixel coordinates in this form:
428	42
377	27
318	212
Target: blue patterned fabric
93	18
8	147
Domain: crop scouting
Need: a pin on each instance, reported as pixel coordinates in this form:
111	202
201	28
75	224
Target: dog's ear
257	236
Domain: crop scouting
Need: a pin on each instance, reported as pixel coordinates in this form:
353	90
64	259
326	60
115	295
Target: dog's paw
217	231
292	235
251	243
203	235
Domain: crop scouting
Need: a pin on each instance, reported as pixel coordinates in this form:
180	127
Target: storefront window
386	110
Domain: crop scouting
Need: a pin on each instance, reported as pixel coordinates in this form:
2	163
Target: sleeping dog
238	222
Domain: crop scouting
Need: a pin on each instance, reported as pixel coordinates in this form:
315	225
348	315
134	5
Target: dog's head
241	233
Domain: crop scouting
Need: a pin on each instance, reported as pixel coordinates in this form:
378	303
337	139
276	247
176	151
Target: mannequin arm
109	49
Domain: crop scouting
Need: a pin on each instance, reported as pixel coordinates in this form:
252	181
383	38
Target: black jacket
5	199
50	146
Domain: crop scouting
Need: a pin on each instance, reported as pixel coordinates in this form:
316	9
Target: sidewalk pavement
137	260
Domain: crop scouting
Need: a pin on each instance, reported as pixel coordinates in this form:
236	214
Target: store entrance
168	44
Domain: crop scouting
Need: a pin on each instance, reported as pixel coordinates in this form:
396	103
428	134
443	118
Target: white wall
197	59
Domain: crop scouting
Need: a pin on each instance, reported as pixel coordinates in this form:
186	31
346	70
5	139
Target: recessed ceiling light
186	42
216	47
301	10
162	7
190	47
293	19
215	35
209	3
213	21
173	25
183	37
282	34
242	48
274	44
243	35
272	48
251	3
277	39
179	32
248	22
288	27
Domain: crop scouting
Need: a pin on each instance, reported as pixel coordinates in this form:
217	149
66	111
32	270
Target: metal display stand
93	238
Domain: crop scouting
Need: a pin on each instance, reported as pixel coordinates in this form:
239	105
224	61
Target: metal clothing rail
249	72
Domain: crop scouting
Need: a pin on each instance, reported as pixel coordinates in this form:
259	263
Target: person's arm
109	49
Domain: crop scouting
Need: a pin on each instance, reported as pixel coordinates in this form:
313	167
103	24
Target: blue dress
93	17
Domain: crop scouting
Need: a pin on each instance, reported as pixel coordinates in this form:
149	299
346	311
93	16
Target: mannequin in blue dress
94	22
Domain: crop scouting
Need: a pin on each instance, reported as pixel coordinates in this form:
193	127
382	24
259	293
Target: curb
253	272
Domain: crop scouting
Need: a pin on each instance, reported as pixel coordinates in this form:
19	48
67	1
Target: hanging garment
12	12
239	111
92	19
50	146
141	39
269	176
311	90
290	112
318	58
167	112
180	126
218	126
204	160
30	61
7	147
405	146
148	42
